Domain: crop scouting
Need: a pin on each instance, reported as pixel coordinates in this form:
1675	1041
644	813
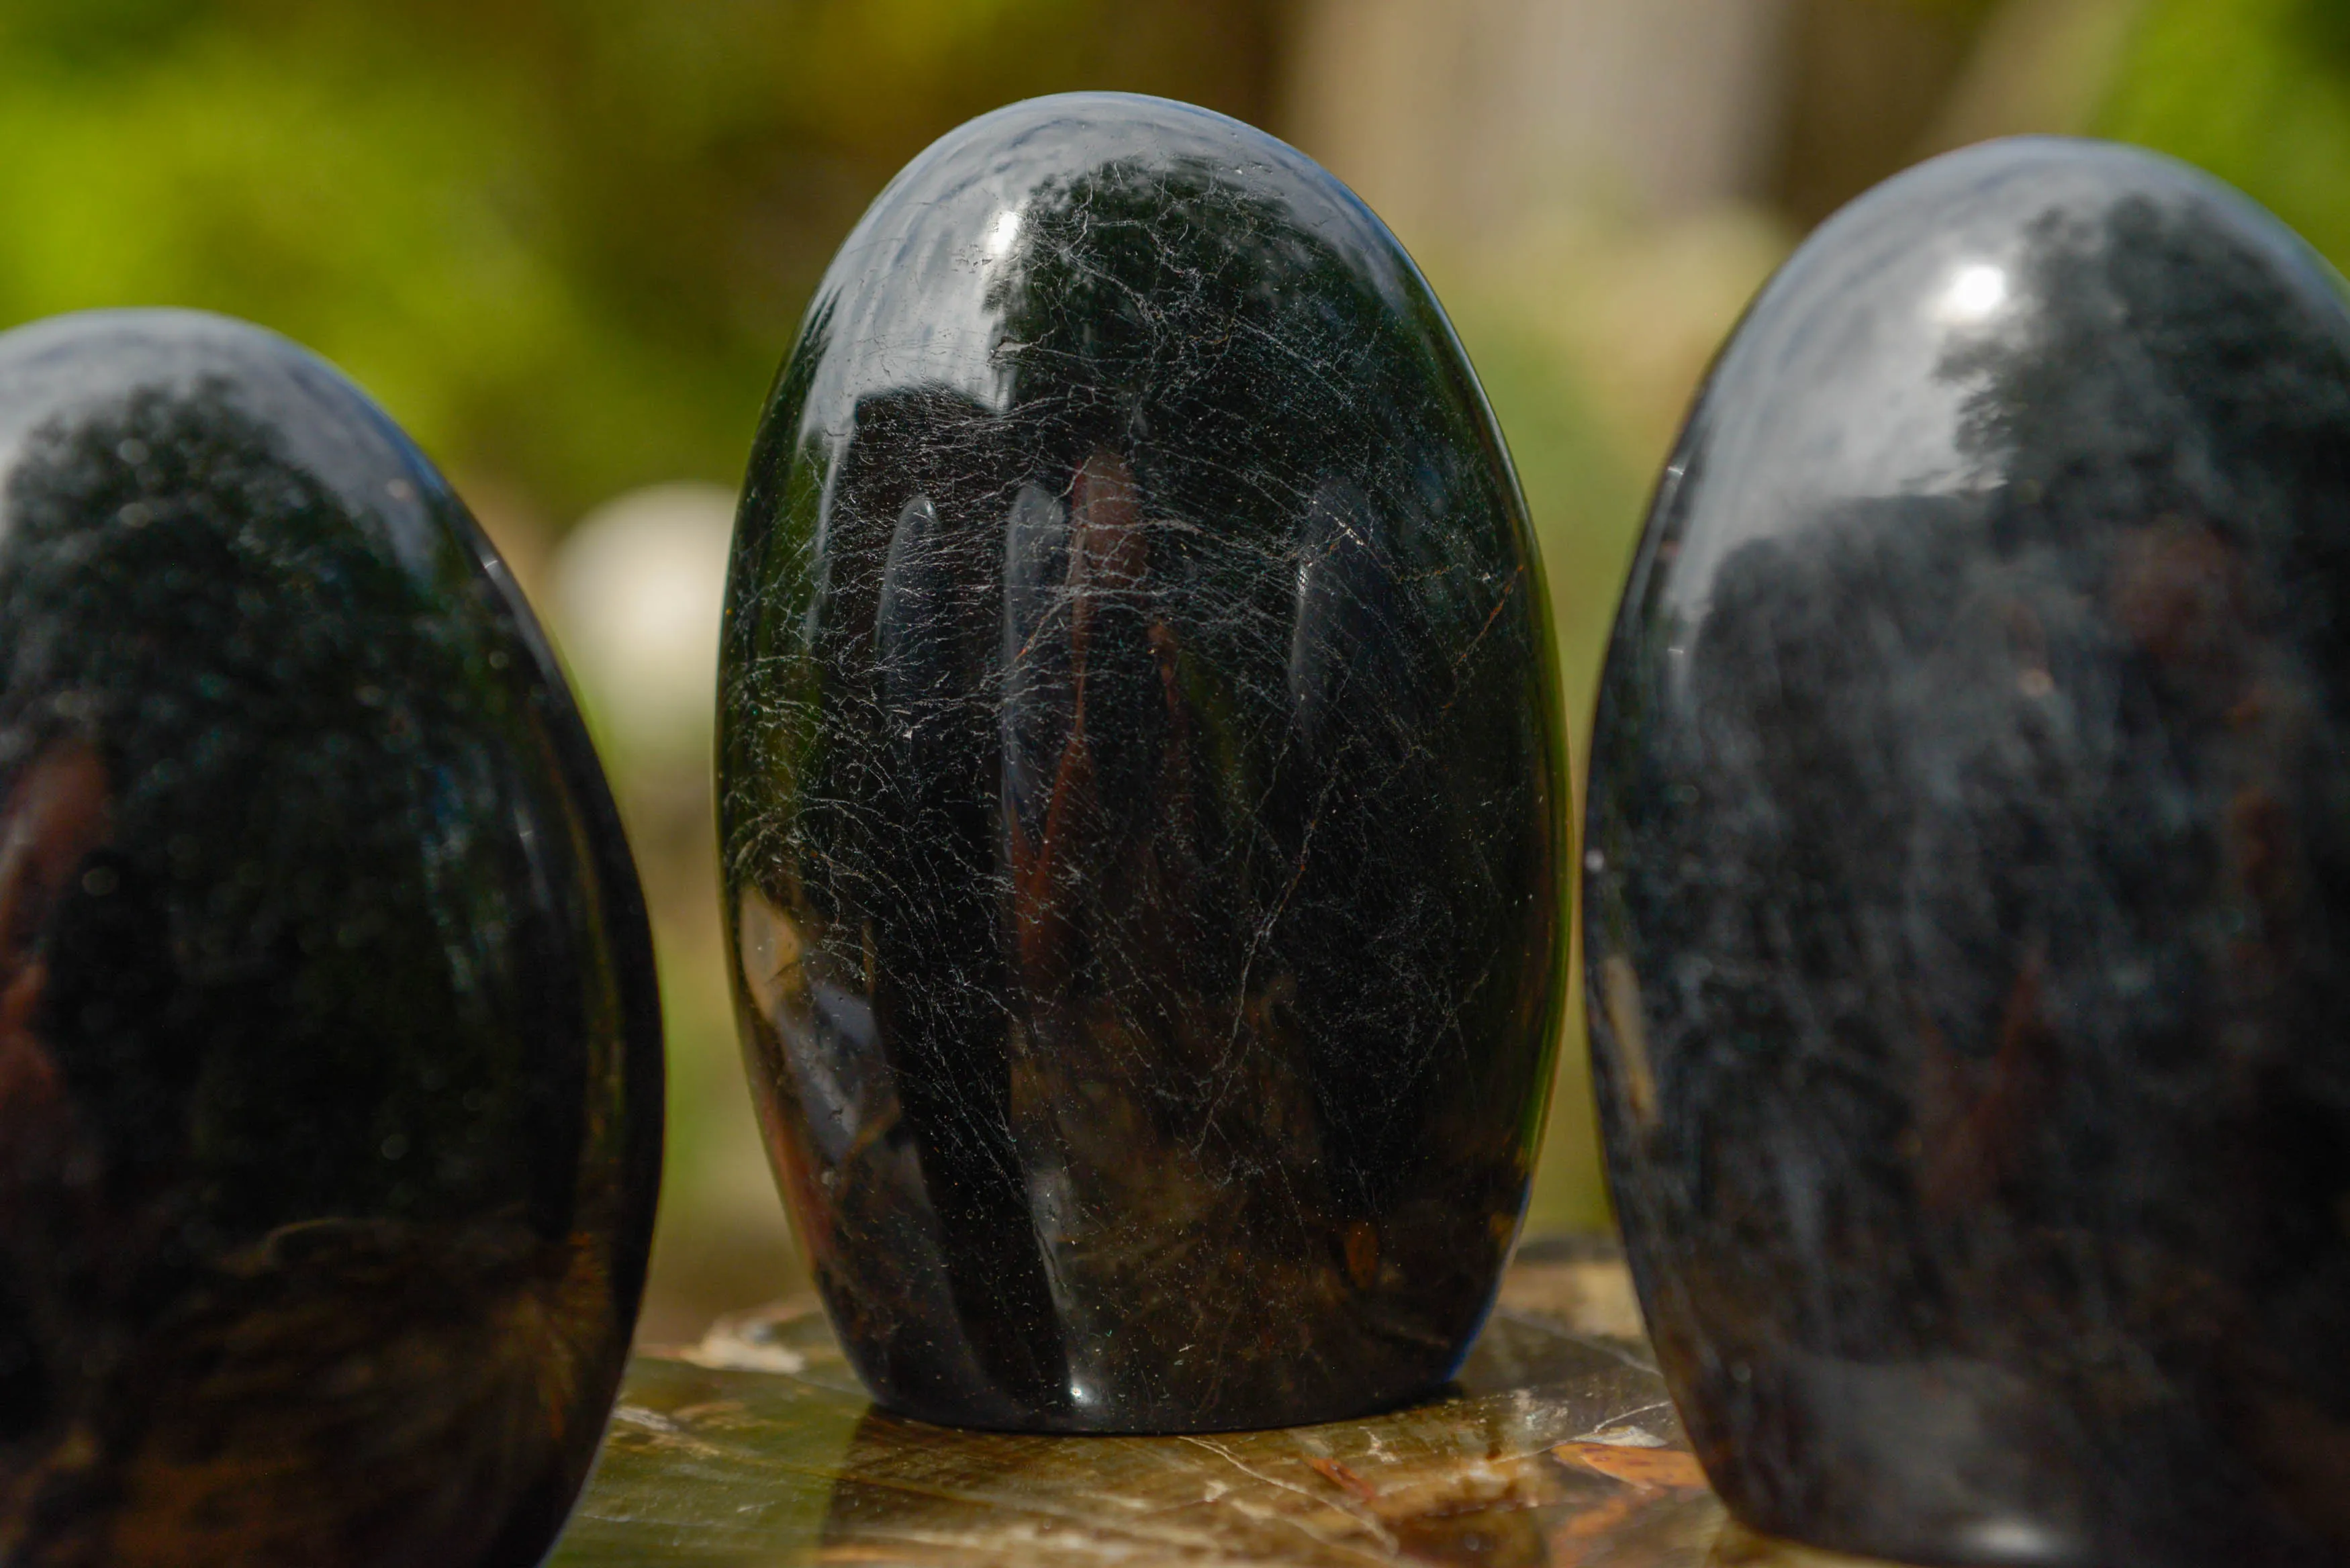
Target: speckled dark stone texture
1968	880
329	1055
1141	790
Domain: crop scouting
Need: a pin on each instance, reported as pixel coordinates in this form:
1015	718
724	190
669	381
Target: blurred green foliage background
566	242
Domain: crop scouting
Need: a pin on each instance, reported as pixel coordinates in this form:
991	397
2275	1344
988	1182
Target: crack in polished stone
1142	789
1968	880
330	1076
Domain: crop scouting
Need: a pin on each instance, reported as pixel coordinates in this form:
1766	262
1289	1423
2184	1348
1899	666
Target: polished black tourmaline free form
1968	880
1142	790
331	1075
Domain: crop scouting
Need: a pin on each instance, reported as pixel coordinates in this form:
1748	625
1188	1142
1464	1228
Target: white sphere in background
639	587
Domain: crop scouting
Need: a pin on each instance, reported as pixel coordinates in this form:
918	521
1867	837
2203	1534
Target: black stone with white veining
331	1075
1141	790
1968	880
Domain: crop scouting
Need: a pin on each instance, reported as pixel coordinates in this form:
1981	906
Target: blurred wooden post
1454	118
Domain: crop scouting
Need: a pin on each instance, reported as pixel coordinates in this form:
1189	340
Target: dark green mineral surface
1143	790
1968	880
329	1055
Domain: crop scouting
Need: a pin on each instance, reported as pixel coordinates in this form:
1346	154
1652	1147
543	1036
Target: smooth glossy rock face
329	1053
1141	790
1968	880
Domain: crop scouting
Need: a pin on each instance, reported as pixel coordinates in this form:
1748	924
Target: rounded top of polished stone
1880	359
1072	227
998	162
54	370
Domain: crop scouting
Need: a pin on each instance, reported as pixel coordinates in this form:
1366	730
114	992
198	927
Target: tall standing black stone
1142	789
1968	880
330	1077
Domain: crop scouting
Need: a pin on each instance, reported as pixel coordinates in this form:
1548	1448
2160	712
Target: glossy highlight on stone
1142	790
1968	893
330	1077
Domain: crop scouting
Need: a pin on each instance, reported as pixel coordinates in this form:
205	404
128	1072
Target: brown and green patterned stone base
1556	1447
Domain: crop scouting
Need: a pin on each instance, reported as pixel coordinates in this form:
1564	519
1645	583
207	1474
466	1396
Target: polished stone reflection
1141	790
1970	880
329	1056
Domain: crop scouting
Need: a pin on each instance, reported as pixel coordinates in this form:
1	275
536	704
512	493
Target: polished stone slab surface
1555	1446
